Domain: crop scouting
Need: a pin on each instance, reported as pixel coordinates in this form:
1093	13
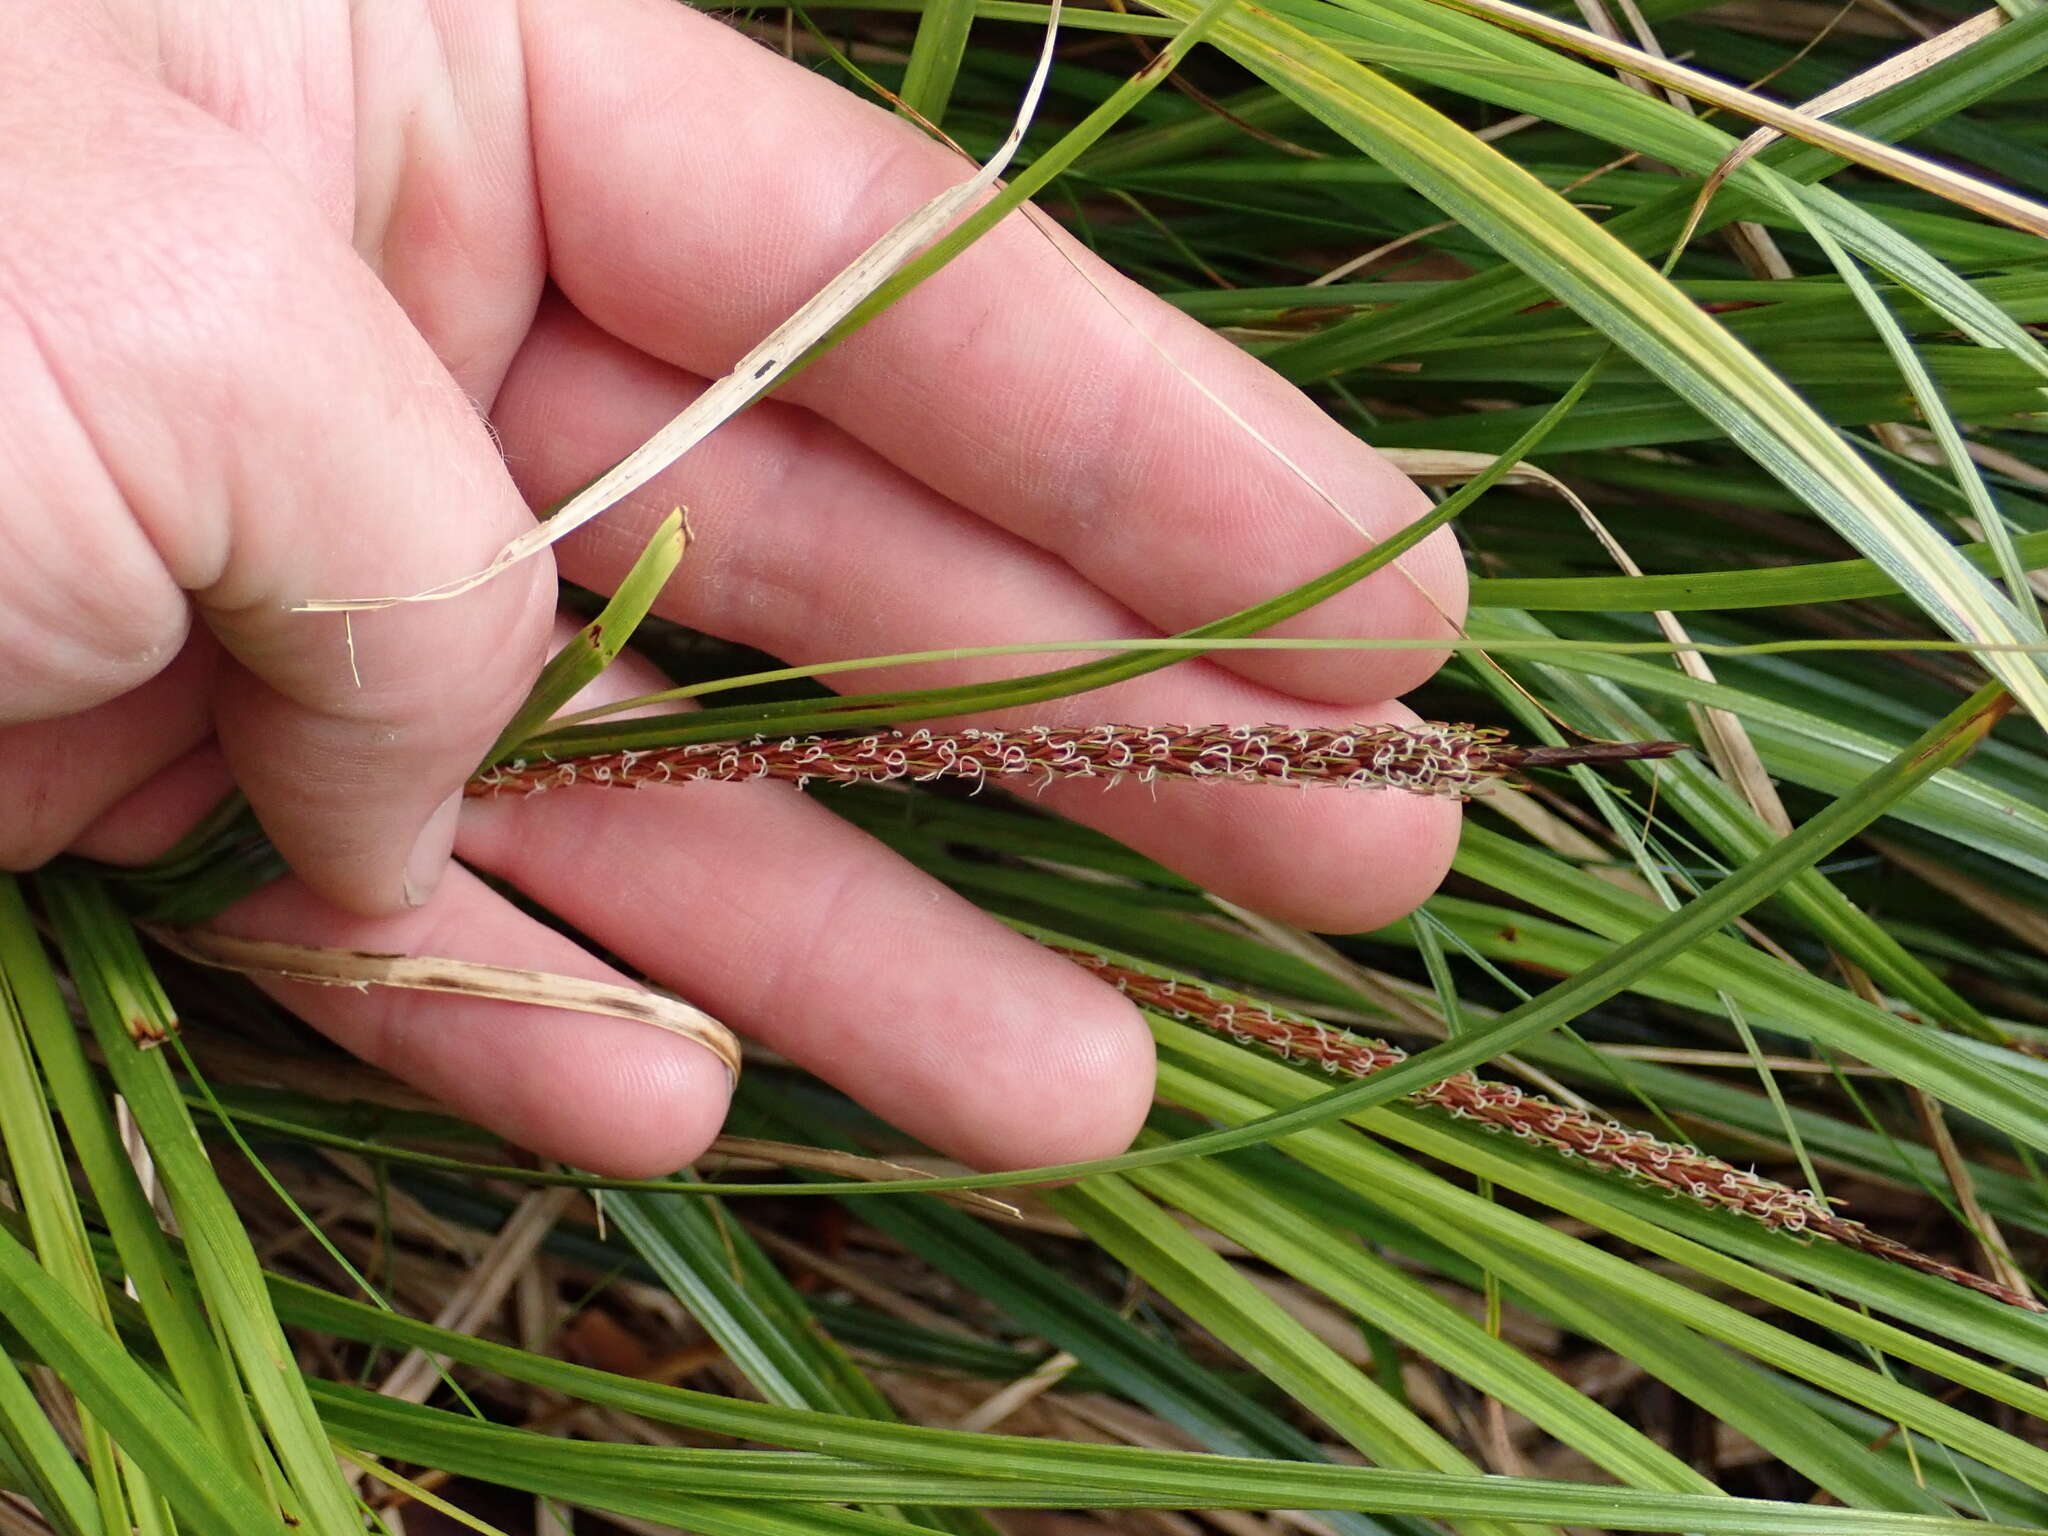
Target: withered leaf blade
467	978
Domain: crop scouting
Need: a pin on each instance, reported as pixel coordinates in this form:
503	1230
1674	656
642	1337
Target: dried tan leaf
1993	202
483	1290
1004	1402
1451	466
467	978
1884	74
1725	737
2022	921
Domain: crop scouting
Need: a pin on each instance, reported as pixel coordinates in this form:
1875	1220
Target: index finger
1025	381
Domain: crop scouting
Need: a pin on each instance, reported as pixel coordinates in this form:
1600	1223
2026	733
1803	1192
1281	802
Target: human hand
261	269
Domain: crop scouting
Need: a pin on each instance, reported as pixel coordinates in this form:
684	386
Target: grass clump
1700	1192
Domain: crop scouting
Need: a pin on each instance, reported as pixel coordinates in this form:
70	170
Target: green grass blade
1165	1479
2009	54
1045	1304
40	1182
719	1273
1774	586
1469	1222
1374	1289
38	1462
119	993
1126	1224
144	1419
1646	316
596	1472
935	55
583	660
162	1285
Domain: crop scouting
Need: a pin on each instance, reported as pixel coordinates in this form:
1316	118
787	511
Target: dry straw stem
482	1289
755	1152
1431	758
1886	73
1681	1170
468	978
1880	76
1982	197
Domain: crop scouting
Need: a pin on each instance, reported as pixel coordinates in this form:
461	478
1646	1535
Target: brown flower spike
1431	758
1673	1167
1426	759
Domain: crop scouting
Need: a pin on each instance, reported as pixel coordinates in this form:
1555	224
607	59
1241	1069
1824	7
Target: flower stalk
1431	758
1680	1170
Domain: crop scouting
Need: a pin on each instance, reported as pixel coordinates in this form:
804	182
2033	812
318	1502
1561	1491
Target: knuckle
94	650
87	609
167	322
194	264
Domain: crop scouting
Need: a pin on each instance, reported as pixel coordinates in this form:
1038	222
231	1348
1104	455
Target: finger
147	823
802	932
784	922
812	548
247	417
605	1094
609	1095
58	776
1024	381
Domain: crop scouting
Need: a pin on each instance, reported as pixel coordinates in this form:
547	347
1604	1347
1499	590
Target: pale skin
272	280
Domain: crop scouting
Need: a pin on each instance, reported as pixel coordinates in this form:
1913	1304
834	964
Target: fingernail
429	859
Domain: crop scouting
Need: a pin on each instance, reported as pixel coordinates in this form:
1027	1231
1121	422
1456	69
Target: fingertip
1438	589
1375	860
1421	596
354	784
606	1094
1070	1076
649	1106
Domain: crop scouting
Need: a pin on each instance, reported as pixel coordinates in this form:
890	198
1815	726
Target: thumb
352	733
242	413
